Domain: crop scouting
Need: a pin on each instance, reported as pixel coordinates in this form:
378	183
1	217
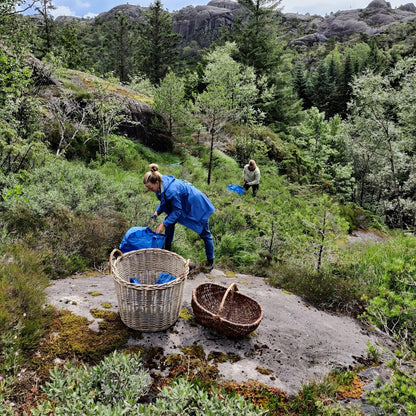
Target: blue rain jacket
183	203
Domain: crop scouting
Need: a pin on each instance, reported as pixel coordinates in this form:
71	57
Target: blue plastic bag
164	278
137	238
134	280
236	188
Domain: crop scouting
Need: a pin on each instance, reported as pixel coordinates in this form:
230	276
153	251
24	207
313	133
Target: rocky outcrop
372	20
138	126
203	24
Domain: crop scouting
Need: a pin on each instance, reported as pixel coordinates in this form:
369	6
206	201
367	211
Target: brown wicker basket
148	307
225	309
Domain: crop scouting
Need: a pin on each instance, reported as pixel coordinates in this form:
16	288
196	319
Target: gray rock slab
296	342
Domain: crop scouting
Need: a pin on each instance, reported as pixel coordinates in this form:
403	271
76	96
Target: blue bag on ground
137	238
236	188
164	278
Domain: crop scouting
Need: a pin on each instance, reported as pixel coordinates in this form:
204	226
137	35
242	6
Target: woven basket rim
177	280
215	316
142	286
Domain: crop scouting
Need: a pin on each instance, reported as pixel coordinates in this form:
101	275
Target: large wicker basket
148	307
225	309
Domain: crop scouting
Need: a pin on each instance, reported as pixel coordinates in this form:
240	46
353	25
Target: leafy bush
112	387
22	281
118	383
386	271
399	396
187	399
22	313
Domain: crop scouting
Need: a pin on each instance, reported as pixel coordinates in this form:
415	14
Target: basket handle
110	261
232	288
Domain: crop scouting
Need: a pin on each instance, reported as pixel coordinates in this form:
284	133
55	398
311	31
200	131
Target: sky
90	8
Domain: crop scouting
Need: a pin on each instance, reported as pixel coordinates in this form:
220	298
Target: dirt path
295	342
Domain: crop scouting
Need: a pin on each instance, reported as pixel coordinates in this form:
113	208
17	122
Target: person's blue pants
205	235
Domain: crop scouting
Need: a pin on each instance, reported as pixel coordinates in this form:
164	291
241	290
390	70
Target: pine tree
48	25
159	43
300	84
261	45
123	39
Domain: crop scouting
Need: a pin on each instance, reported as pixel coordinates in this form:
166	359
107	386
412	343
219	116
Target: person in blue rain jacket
183	204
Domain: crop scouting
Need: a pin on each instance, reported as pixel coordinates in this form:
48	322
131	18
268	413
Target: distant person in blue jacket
182	203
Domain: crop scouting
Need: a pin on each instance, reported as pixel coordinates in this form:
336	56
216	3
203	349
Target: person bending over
183	204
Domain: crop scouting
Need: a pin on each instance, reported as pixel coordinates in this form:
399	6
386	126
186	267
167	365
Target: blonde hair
252	163
153	175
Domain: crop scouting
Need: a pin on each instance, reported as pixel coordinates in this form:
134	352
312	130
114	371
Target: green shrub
187	399
397	397
118	383
22	314
22	281
112	387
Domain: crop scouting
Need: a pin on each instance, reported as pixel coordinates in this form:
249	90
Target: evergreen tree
123	37
71	50
345	83
158	43
46	30
261	46
322	88
300	84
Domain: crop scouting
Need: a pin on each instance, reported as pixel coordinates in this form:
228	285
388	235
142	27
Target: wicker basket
148	307
225	309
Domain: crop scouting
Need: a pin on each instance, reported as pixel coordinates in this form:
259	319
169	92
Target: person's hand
154	216
160	228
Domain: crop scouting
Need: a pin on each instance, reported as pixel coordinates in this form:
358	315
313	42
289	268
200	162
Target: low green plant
117	385
398	396
11	359
188	399
22	281
112	387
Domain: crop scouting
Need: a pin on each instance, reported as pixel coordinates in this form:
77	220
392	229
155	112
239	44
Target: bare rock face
379	4
203	23
138	126
409	7
374	19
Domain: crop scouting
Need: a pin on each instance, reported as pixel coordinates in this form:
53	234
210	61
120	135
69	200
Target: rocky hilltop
203	24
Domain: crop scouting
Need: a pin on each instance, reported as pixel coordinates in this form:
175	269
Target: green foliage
381	141
116	386
169	102
22	281
185	398
22	314
386	273
113	387
158	48
323	157
397	397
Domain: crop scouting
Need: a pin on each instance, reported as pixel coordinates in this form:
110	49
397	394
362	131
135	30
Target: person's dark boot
209	265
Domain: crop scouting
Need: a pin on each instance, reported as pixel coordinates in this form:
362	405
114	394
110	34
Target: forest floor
294	344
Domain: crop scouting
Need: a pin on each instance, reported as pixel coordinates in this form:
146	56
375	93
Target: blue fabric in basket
164	278
137	238
236	188
134	280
